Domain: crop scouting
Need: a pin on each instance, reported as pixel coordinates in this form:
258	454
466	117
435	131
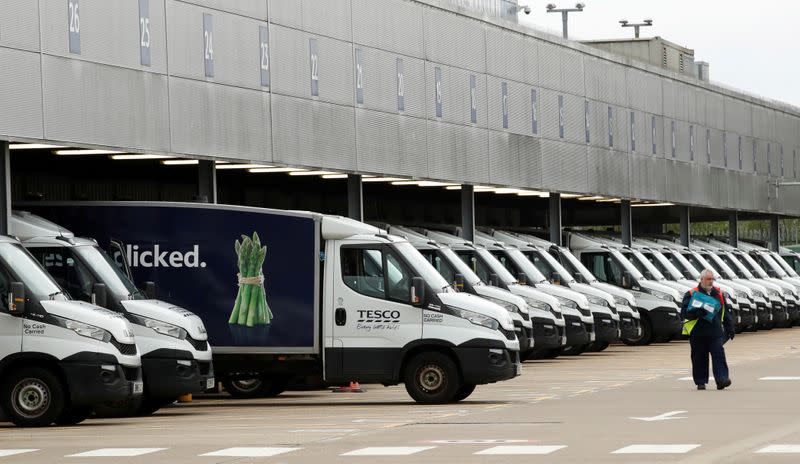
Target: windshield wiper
53	295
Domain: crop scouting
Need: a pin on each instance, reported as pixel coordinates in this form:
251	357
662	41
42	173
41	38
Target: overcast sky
752	46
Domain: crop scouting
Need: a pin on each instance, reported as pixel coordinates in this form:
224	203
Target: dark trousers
701	348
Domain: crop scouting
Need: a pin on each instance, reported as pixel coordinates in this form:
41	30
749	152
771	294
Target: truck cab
176	356
657	303
390	317
58	358
607	318
538	325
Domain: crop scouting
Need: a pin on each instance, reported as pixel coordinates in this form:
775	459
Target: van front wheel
432	378
32	397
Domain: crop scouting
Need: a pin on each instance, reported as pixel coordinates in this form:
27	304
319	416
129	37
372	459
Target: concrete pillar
468	212
685	226
554	218
5	187
626	225
774	233
733	229
355	197
206	181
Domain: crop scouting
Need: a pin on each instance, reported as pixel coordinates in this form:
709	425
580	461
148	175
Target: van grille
199	345
510	335
124	348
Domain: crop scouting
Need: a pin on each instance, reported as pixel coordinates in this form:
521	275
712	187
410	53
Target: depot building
407	111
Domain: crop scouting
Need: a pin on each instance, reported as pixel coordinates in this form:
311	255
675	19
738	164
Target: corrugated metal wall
495	82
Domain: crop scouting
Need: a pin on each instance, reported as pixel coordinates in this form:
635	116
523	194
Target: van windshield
107	272
784	265
575	266
752	265
663	265
548	265
484	264
767	262
25	268
689	270
627	265
735	265
460	266
526	265
421	266
643	265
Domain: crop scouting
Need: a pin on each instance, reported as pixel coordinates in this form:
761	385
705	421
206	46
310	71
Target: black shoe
701	387
724	384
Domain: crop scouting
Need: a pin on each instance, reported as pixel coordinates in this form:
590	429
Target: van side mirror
627	280
100	294
578	276
418	291
648	275
150	290
493	280
16	298
555	278
460	282
521	278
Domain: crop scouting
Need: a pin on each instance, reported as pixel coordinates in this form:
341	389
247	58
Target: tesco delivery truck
290	294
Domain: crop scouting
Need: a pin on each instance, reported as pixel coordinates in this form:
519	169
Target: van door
10	325
373	318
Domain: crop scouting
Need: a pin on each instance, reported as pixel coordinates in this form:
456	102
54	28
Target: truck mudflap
665	322
487	365
171	377
605	328
545	334
91	381
629	327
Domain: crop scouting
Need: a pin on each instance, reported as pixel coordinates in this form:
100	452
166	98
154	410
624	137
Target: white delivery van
657	303
607	320
536	323
172	341
58	358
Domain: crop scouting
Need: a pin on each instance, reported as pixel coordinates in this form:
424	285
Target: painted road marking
661	417
780	449
250	452
388	451
779	378
710	379
656	449
509	450
115	452
324	430
14	452
486	441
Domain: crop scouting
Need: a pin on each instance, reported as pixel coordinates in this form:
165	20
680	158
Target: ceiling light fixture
33	146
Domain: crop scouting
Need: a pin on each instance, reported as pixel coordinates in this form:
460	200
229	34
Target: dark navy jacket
717	327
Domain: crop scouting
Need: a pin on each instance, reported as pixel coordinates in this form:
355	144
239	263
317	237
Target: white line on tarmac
656	449
779	378
520	450
245	452
785	449
14	452
388	451
116	452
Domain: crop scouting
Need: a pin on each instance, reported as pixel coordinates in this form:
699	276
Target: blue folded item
707	305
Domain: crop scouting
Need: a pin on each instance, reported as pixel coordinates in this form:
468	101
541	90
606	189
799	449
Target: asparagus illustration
251	308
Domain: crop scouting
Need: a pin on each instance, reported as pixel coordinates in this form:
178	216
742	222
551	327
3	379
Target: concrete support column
468	212
206	181
685	225
554	218
5	187
626	225
774	233
733	229
355	197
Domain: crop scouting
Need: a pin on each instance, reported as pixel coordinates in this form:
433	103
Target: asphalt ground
626	404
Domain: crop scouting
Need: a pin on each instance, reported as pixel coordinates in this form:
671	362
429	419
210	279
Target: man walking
707	333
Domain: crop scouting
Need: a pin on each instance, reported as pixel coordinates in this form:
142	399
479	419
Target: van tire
74	415
464	392
647	333
244	388
597	347
432	378
32	397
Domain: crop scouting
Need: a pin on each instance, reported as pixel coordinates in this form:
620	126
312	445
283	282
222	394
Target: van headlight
740	294
596	300
619	301
661	295
758	293
510	307
475	318
567	302
83	329
540	305
164	328
774	293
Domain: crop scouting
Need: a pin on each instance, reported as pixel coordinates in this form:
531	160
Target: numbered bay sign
144	32
74	19
263	40
208	44
313	54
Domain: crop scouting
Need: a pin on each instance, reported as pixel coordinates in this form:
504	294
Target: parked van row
289	295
